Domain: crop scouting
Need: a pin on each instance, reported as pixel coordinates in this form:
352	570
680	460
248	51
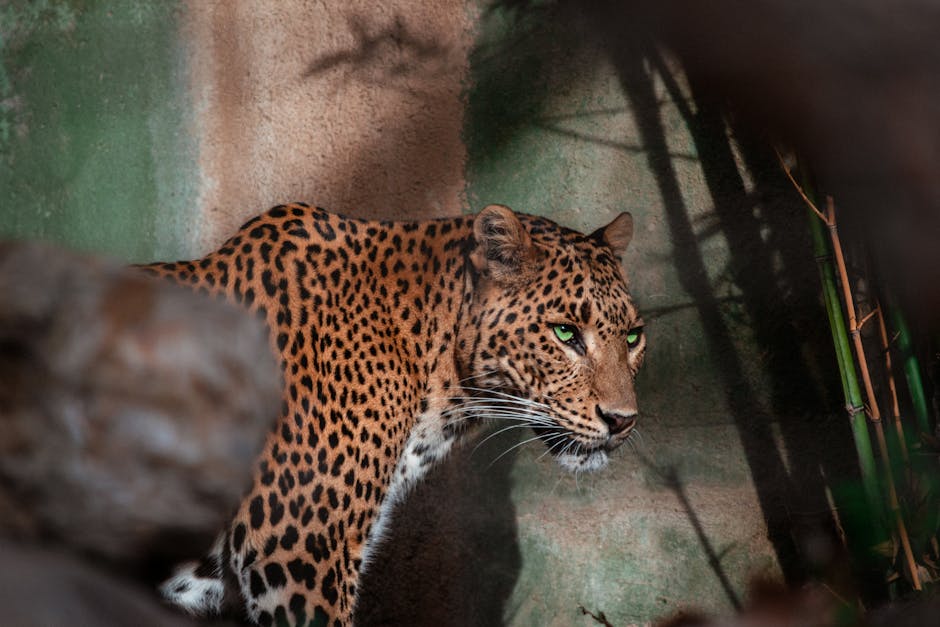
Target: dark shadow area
787	320
451	556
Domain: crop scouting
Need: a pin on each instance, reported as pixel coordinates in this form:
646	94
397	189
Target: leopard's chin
574	455
584	461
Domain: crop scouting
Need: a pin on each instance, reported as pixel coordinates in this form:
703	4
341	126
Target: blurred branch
799	189
599	617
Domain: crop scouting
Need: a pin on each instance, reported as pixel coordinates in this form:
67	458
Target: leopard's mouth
499	399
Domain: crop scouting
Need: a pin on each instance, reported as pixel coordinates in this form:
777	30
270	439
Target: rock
130	408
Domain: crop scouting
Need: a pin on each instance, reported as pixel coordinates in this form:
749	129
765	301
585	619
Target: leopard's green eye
633	336
565	332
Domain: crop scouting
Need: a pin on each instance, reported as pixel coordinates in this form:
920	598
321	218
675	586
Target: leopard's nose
617	422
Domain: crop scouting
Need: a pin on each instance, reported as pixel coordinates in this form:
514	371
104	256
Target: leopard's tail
199	587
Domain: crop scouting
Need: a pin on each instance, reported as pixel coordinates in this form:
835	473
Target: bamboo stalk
915	383
892	388
850	387
853	395
873	411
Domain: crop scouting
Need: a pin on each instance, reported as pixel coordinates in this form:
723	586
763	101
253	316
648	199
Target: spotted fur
396	339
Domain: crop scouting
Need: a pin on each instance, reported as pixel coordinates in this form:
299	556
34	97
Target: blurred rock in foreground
130	408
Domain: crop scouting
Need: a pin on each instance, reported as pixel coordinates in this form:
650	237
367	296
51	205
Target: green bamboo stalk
872	408
915	383
850	386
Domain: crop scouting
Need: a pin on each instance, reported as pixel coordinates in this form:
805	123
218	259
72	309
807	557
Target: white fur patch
595	460
199	596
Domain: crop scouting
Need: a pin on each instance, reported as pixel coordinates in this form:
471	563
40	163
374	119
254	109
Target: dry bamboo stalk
873	411
892	388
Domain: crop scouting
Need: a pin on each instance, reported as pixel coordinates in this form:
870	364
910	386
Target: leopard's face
558	340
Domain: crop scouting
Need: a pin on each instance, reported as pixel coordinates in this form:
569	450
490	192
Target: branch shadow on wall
751	419
394	47
669	476
401	160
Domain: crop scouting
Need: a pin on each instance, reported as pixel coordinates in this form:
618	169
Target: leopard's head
554	338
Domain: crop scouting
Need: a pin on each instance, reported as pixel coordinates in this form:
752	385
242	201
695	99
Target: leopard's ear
617	234
503	246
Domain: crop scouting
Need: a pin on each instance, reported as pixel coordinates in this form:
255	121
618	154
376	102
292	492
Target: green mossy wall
95	148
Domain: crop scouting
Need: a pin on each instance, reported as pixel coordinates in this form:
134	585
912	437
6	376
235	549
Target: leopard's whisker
489	373
549	449
484	409
496	433
505	395
509	420
500	414
490	399
486	416
520	425
639	436
513	447
632	445
491	404
558	433
560	439
484	404
567	448
512	421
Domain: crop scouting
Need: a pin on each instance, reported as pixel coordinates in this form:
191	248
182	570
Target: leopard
398	340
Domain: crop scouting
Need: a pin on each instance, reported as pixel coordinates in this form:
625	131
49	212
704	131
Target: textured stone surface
130	409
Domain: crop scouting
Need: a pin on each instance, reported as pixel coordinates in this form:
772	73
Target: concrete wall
152	130
348	104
